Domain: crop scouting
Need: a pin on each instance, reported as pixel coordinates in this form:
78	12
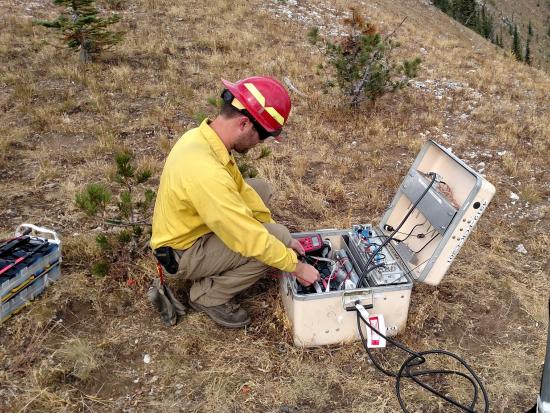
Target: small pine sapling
246	169
119	248
93	199
264	152
362	62
131	177
83	29
246	164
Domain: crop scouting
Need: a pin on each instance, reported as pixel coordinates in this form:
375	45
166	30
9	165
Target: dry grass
81	346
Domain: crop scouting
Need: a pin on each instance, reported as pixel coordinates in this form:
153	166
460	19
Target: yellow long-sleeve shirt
201	191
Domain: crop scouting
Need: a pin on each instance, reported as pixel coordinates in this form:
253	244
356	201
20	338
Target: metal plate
437	210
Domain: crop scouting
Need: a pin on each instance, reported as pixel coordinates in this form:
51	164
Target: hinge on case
365	297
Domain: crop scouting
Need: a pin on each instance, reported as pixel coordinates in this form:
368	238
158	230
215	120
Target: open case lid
431	237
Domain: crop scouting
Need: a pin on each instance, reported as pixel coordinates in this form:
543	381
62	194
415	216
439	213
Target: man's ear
243	123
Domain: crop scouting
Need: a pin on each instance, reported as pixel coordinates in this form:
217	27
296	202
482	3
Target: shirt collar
215	142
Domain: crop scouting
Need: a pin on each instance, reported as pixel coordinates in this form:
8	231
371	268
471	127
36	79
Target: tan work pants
218	272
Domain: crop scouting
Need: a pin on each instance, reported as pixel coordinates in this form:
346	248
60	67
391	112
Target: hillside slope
522	13
81	346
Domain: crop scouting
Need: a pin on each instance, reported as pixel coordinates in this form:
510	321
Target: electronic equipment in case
432	214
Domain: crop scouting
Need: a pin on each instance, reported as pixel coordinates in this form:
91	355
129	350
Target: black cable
414	252
418	358
362	278
426	244
420	235
396	239
410	233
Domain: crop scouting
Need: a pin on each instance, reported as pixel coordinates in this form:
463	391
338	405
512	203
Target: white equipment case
444	217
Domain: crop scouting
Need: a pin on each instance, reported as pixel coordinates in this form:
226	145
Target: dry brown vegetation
81	346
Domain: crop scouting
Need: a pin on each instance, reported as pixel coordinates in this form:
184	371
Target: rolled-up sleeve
216	198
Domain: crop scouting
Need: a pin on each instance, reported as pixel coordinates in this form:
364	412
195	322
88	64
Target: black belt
167	257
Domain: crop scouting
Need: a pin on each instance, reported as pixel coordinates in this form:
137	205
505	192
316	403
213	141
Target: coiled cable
418	358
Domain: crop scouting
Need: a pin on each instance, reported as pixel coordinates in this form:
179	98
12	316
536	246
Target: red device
311	242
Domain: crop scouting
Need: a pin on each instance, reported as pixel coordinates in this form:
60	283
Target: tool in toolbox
28	263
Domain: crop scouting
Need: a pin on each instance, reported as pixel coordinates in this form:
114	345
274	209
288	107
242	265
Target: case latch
365	297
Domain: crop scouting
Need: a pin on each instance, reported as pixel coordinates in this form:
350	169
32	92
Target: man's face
247	139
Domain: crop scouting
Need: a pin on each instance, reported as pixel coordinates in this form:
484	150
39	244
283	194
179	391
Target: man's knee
280	232
262	188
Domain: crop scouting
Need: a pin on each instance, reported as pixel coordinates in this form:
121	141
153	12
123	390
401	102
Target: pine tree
468	13
530	29
516	46
486	23
129	210
362	63
442	5
465	11
82	28
528	51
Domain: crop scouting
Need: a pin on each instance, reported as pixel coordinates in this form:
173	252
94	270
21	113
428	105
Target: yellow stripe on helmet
235	102
276	115
261	99
256	93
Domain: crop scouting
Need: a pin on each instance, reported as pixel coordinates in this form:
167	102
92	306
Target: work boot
229	314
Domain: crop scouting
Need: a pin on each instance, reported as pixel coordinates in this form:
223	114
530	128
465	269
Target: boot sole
201	309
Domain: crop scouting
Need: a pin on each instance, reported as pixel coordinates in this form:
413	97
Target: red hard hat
264	98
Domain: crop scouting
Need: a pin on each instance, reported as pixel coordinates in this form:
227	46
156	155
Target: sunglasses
263	134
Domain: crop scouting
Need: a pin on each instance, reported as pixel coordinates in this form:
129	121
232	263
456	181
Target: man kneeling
214	225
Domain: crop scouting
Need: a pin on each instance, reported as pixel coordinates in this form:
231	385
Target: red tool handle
24	257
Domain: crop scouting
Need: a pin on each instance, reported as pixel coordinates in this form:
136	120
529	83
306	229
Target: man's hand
296	246
306	274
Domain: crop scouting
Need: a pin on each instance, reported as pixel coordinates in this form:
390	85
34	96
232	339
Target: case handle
52	235
364	296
